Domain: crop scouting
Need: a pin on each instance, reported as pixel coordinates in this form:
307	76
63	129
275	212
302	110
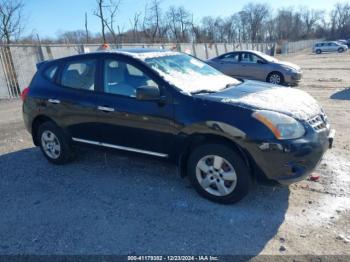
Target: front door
130	124
252	68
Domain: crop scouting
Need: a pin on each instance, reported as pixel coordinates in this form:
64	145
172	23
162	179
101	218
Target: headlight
290	69
281	125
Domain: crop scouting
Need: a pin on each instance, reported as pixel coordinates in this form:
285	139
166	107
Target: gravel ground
108	203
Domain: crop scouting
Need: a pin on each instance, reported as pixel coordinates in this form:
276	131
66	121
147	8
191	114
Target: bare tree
153	22
256	15
179	22
99	13
135	26
107	12
310	18
340	20
10	19
86	29
72	37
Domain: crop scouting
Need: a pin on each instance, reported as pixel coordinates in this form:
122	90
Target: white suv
329	47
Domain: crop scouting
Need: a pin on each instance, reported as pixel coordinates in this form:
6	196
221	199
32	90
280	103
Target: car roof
136	50
244	51
122	51
326	42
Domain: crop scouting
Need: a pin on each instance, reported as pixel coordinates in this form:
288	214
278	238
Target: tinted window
230	58
249	58
123	79
50	72
133	70
79	74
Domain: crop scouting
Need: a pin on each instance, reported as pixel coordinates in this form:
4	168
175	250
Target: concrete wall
18	63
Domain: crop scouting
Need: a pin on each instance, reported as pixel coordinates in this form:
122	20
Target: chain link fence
18	62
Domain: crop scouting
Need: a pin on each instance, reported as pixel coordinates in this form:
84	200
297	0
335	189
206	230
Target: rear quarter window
50	72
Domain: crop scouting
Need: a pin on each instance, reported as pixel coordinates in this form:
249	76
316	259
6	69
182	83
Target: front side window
249	58
121	78
233	58
79	74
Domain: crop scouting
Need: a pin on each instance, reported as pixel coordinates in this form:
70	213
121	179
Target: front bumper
293	78
292	160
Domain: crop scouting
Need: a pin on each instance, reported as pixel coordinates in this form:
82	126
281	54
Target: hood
294	66
260	95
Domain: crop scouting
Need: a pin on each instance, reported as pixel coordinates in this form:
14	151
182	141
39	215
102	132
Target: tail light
24	93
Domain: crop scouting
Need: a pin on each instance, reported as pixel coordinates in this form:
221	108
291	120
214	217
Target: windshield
267	57
190	74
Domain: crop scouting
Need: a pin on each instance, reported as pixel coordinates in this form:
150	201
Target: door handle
54	101
105	109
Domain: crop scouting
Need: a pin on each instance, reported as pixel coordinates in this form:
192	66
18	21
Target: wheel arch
197	139
39	120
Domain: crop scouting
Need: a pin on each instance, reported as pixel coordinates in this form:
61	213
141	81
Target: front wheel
340	50
54	144
218	173
275	78
318	51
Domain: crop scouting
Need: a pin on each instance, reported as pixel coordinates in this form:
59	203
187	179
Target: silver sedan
257	66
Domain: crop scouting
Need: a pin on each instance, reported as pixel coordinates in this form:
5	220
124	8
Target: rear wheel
318	51
218	173
54	144
275	78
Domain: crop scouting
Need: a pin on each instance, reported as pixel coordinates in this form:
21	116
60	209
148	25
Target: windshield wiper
229	85
203	91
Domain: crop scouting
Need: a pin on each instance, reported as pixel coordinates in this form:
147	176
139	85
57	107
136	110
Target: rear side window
230	58
79	74
50	72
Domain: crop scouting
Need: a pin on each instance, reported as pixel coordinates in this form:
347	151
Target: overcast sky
49	17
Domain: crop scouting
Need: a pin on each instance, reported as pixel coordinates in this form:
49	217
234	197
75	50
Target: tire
340	50
54	144
318	51
211	183
275	78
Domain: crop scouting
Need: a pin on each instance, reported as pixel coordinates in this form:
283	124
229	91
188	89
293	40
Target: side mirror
147	93
261	62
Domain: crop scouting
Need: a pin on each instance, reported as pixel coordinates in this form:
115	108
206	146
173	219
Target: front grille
319	122
297	76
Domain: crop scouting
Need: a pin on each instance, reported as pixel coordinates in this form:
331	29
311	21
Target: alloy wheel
50	144
275	79
216	175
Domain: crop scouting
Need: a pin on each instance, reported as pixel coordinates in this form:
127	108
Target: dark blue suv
220	131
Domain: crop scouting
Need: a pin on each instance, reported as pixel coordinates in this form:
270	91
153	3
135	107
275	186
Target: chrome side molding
130	149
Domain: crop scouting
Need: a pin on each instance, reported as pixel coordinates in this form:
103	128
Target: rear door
71	101
130	124
229	64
